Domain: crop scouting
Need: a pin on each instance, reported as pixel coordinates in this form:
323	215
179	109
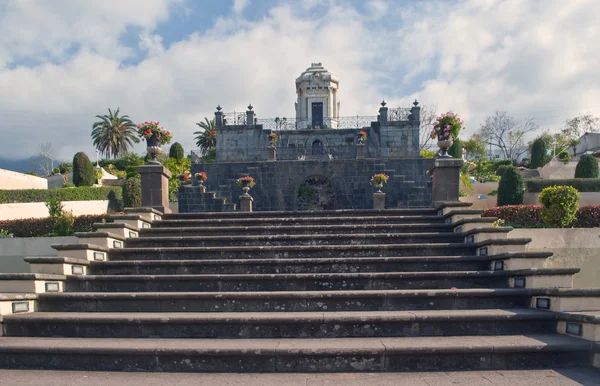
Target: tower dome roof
316	71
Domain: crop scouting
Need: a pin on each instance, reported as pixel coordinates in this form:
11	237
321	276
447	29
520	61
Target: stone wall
13	250
395	139
10	180
278	183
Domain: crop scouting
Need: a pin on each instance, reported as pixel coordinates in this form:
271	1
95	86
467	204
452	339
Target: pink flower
454	289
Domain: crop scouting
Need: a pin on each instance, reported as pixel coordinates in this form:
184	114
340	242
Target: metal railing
282	124
398	114
235	118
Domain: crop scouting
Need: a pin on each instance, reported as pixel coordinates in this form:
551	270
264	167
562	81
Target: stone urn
153	148
246	188
378	186
444	143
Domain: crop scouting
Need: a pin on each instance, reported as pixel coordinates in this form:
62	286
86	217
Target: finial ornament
383	103
250	107
219	108
415	103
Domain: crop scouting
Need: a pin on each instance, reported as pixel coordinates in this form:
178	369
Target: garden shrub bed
39	227
530	216
114	194
583	185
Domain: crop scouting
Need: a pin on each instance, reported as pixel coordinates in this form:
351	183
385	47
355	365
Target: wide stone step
303	281
312	265
293	355
281	324
296	229
323	213
282	301
284	240
218	221
297	251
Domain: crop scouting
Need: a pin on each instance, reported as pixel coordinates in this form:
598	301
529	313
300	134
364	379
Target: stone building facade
319	162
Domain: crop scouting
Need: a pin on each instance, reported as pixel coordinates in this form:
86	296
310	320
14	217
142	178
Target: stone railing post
415	112
272	153
155	186
219	117
250	116
446	179
246	203
383	113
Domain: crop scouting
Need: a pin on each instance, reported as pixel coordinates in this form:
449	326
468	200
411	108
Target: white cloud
473	57
240	5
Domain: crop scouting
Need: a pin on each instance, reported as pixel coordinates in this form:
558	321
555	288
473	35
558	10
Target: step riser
314	329
307	221
292	284
307	214
256	231
292	304
294	362
287	268
164	243
269	253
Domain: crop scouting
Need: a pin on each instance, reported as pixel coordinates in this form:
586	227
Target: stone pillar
272	156
415	112
250	116
383	113
155	186
246	203
378	201
219	117
360	151
446	179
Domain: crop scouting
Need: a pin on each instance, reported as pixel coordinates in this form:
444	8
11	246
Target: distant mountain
23	165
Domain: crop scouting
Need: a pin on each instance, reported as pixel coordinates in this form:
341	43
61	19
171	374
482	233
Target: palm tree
207	137
113	135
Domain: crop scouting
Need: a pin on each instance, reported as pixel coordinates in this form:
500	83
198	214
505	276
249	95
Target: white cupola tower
317	105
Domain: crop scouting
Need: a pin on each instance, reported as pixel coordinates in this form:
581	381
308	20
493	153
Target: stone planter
379	187
201	186
444	144
153	148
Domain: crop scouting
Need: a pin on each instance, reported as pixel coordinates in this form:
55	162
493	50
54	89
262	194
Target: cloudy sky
64	61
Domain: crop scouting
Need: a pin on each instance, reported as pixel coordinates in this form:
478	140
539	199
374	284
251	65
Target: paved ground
575	376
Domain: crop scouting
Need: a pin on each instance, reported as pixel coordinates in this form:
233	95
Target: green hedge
581	184
530	216
38	227
114	194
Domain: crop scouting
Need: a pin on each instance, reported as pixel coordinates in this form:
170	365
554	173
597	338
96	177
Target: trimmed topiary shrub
539	153
560	205
132	193
518	216
501	169
83	170
510	188
587	167
536	185
456	149
176	151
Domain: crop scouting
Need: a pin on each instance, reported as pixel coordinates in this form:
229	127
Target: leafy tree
474	147
65	167
506	133
539	154
113	135
207	137
510	188
428	115
83	170
46	158
456	149
176	151
30	173
427	153
176	167
587	167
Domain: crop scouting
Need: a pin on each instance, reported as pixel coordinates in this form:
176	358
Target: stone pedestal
155	186
446	179
272	156
246	203
378	201
360	151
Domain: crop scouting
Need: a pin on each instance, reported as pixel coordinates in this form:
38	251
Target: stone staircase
357	290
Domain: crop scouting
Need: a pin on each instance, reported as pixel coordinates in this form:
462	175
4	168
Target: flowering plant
147	129
245	180
380	178
447	124
185	177
274	137
201	176
363	135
